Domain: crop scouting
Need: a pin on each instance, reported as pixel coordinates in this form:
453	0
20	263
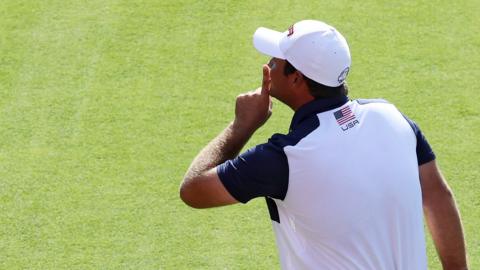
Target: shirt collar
316	106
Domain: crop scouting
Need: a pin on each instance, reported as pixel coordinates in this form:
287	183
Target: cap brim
267	41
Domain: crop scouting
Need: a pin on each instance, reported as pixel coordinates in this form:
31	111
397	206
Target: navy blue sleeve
261	171
424	151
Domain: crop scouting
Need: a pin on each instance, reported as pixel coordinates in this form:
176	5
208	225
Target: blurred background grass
105	103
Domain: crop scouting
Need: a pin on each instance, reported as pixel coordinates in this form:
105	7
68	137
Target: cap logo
290	30
343	75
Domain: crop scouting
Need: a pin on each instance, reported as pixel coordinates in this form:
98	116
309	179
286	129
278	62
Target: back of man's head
318	90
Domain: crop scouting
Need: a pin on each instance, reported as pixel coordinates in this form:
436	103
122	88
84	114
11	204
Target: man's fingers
266	80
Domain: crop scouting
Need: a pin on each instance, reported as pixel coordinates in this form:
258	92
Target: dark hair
318	90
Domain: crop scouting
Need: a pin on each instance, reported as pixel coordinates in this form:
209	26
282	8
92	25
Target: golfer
349	184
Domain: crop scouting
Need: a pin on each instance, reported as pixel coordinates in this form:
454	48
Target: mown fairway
103	104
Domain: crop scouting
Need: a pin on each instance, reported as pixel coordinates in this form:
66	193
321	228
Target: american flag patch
344	115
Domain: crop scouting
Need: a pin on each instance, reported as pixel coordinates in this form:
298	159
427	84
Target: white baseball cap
314	48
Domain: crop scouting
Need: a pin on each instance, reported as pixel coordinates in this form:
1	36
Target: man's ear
298	77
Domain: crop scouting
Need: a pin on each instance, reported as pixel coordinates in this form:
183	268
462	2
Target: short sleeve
261	171
424	151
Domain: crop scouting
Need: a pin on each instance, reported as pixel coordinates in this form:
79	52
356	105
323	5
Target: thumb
266	80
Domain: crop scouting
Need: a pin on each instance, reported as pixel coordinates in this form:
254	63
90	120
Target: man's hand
253	109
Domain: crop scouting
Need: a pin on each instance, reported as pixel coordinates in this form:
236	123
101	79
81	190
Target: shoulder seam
362	101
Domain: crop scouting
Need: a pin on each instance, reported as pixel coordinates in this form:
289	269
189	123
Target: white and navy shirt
342	187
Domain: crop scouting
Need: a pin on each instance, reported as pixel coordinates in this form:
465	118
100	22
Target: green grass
104	104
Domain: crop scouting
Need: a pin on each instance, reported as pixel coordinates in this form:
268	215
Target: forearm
443	220
202	186
225	146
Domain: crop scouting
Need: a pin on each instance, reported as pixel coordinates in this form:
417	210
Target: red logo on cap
290	31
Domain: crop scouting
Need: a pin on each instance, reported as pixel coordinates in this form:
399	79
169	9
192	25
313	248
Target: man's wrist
242	130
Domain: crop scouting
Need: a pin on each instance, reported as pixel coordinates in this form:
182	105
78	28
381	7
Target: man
345	187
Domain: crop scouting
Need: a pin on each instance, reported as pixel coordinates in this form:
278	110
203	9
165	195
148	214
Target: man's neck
299	102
